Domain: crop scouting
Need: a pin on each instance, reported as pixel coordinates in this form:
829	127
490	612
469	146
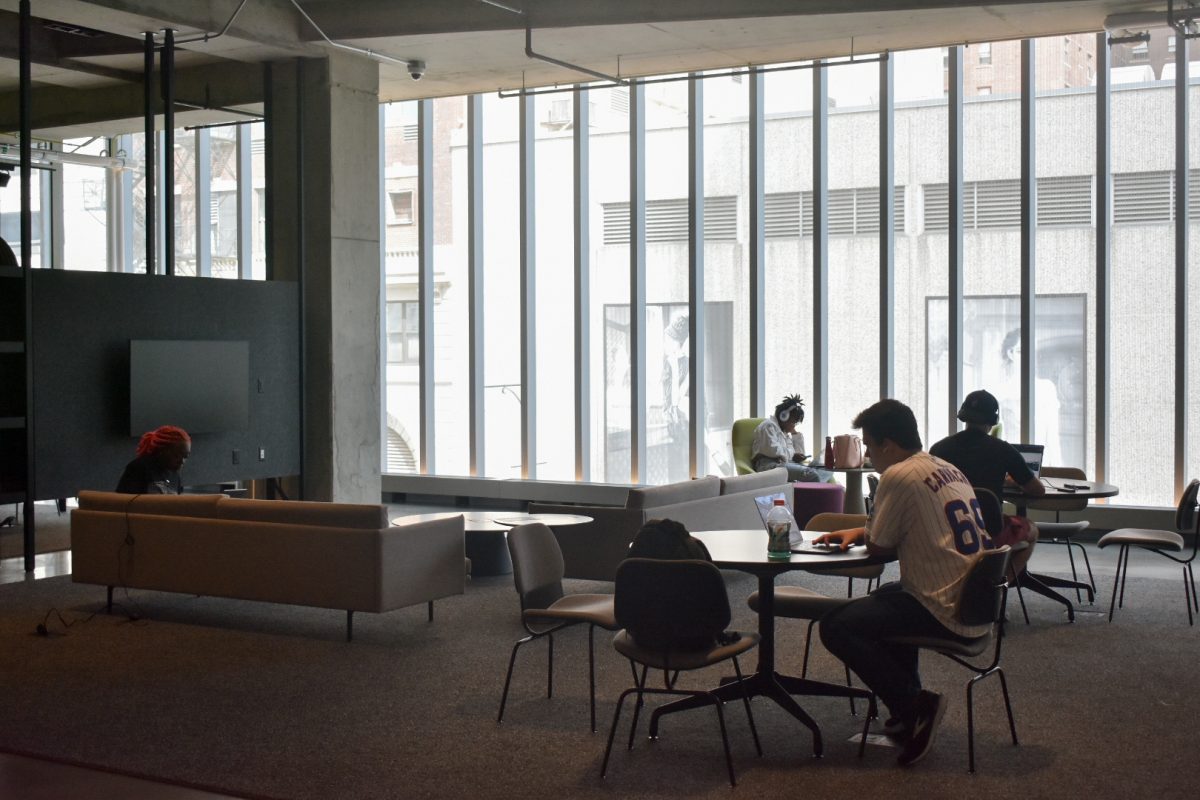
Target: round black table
746	551
1057	489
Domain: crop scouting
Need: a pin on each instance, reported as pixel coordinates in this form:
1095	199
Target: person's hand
843	538
798	458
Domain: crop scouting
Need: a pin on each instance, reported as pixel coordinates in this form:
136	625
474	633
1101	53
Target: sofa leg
431	611
109	608
349	625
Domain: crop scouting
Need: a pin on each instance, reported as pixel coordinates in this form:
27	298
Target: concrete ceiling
474	46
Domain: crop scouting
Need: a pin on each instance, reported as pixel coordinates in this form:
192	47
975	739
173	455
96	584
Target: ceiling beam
219	85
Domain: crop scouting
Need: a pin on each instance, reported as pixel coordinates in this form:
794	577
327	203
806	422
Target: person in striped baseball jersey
926	516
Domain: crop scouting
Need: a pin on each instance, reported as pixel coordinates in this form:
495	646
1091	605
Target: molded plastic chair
537	575
1164	543
1061	532
742	438
982	601
674	615
800	603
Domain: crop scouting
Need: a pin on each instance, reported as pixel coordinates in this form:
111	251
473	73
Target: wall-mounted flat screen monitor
201	386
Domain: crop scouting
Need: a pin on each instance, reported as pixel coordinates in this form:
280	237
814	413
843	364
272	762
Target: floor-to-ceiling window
852	373
787	243
1065	277
1142	322
922	371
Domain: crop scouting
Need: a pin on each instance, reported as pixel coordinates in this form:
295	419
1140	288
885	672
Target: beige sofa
593	551
327	555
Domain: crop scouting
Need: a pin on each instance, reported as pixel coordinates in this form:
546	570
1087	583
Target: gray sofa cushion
755	480
672	493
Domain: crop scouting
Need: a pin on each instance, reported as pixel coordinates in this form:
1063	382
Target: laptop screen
1032	453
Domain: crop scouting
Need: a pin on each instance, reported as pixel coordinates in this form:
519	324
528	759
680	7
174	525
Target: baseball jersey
926	511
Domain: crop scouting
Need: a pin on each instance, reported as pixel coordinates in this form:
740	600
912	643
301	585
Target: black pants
855	633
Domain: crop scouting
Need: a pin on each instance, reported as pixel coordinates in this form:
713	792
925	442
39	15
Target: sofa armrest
421	561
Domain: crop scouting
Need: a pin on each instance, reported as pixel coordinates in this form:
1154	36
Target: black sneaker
895	728
929	709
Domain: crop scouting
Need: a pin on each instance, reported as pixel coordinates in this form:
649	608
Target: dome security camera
416	70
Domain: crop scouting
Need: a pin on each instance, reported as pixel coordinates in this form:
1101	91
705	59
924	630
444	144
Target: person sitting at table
161	453
990	463
922	516
778	444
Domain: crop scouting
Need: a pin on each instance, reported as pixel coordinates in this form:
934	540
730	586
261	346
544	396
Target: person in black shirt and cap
989	462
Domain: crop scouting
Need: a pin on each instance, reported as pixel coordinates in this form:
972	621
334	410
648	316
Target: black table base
1040	584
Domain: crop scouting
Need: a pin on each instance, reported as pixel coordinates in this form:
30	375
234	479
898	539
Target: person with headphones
989	462
778	444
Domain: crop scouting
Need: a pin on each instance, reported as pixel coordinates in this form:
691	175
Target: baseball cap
980	406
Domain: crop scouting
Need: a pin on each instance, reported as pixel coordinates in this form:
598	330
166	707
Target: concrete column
322	164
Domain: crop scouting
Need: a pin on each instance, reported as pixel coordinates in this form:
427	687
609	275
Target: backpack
669	540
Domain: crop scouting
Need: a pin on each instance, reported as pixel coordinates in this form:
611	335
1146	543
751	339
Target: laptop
1032	453
796	540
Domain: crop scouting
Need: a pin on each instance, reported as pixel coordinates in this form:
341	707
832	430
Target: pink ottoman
816	498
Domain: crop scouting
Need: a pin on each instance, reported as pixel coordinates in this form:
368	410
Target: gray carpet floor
269	701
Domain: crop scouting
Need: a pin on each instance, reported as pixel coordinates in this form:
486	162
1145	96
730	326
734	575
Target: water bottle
779	530
829	452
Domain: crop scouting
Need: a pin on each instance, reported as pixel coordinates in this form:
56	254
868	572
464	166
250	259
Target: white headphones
787	412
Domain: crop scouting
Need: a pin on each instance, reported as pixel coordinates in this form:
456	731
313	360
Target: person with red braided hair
161	453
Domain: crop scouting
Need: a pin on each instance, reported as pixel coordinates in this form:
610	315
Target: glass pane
554	286
85	208
853	244
258	198
991	356
402	421
450	311
1065	390
726	266
223	180
787	157
1193	298
185	202
922	369
609	290
10	217
1141	377
667	359
502	287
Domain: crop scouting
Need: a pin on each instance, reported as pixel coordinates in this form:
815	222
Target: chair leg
971	724
431	611
592	674
724	739
871	714
737	670
1192	579
1187	598
612	731
807	645
1086	562
1074	575
853	710
1124	578
637	708
512	660
1021	597
550	667
1012	725
1112	603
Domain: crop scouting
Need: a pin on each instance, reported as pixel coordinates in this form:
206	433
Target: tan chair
1164	543
673	615
982	601
742	441
800	603
545	610
1058	532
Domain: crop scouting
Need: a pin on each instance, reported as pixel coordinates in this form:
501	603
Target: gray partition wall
83	323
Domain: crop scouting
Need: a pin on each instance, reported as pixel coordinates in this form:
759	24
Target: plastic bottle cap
779	501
